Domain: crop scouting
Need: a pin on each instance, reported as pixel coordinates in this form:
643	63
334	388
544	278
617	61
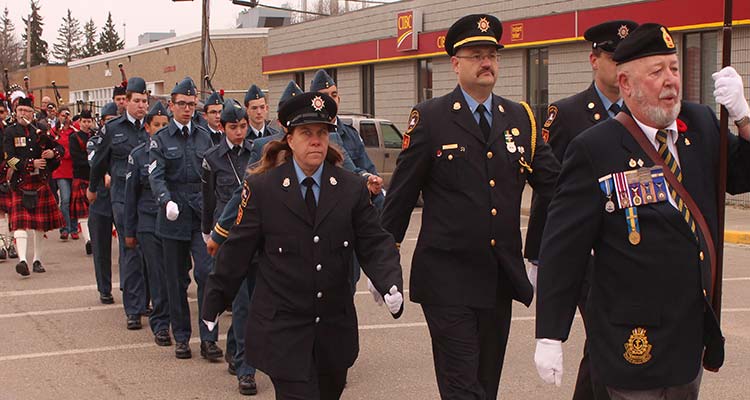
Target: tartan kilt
79	204
5	199
46	216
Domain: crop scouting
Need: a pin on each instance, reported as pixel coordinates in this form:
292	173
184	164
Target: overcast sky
139	16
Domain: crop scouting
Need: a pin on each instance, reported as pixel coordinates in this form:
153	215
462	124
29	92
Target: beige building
236	59
40	81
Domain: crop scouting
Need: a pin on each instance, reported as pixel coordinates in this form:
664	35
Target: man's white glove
374	292
211	324
393	300
206	237
549	360
532	267
730	92
172	210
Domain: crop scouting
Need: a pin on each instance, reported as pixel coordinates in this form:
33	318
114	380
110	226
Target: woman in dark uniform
303	216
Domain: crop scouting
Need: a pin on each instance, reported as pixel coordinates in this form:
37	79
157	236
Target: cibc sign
409	24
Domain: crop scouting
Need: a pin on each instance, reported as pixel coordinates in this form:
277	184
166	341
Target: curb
737	237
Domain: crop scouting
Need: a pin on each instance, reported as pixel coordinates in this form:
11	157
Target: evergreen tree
68	46
10	48
89	48
39	51
109	40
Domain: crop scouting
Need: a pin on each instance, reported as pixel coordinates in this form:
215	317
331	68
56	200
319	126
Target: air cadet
119	137
298	192
566	119
640	191
176	153
212	109
100	216
257	112
79	204
120	98
32	155
471	154
223	166
140	225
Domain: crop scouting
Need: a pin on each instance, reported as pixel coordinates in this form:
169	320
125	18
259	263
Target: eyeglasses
184	104
492	57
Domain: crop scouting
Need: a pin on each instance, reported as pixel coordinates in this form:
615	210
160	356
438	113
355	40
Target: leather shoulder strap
628	122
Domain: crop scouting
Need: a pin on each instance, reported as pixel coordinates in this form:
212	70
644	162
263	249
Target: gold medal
634	238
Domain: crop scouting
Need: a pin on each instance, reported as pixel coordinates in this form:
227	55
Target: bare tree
10	46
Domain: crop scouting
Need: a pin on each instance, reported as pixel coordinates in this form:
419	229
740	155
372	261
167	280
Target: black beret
607	35
649	39
136	85
119	90
232	111
308	108
109	109
85	114
186	86
321	80
158	109
214	99
253	93
291	90
474	30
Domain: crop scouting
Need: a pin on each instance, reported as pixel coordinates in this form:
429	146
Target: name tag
450	146
19	141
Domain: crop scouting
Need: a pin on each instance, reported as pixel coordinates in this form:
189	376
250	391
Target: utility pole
205	53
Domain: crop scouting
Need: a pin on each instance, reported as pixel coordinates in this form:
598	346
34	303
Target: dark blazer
140	206
220	179
464	248
302	306
572	115
659	285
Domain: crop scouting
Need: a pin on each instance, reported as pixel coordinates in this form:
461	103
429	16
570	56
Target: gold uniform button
701	255
489	154
494	212
492	183
492	242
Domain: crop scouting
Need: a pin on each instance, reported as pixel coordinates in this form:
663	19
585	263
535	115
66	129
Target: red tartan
79	204
46	216
4	201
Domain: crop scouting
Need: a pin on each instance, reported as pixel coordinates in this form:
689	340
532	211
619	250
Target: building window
368	90
424	79
299	79
700	49
537	90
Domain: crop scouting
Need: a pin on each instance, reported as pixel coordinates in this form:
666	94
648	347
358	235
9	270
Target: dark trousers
176	255
468	347
153	257
131	268
236	332
326	385
100	227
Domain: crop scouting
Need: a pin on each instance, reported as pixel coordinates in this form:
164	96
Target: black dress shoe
88	248
148	311
247	385
162	338
210	351
182	350
134	322
3	253
12	252
37	267
106	298
22	268
230	363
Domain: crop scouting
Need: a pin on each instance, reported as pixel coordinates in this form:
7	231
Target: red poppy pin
681	126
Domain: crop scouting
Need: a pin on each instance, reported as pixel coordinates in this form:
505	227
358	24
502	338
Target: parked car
382	141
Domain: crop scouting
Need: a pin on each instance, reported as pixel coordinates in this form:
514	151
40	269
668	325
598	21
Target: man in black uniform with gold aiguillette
470	153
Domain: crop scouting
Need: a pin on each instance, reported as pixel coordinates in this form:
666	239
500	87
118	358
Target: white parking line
69	310
15	293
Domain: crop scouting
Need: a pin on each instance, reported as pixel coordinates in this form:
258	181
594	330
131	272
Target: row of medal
630	189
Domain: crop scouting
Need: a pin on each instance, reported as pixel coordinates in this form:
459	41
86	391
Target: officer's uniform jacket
175	174
659	285
22	145
222	175
103	204
470	237
302	307
119	138
565	120
268	130
140	205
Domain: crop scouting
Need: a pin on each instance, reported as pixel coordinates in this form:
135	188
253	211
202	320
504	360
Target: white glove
531	270
549	360
375	294
172	210
394	300
730	92
206	237
211	324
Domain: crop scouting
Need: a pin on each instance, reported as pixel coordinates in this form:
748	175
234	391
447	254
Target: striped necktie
669	160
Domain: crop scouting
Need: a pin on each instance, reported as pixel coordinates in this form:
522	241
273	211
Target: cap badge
623	31
317	103
483	25
667	38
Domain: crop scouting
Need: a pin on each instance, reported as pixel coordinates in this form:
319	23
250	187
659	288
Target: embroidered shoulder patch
551	115
413	121
151	167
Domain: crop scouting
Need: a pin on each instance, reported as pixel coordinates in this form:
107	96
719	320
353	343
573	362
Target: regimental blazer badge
637	348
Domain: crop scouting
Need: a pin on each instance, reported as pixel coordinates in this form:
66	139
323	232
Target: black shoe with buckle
247	385
182	350
210	351
106	298
88	248
134	322
3	253
22	268
161	338
37	267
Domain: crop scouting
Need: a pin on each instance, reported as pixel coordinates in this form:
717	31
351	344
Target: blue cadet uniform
223	168
214	99
176	154
140	222
119	137
100	221
254	93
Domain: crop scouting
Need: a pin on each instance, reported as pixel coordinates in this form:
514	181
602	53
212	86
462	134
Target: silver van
382	141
